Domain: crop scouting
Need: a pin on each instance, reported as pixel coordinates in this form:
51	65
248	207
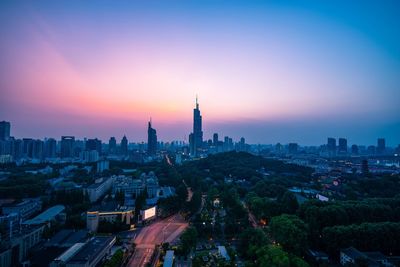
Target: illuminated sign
149	213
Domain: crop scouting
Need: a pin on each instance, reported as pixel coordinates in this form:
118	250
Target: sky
270	71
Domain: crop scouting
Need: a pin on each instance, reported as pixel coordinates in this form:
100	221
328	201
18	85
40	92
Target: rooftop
47	215
66	238
90	250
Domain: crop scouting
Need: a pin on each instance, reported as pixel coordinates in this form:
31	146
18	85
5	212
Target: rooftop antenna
197	102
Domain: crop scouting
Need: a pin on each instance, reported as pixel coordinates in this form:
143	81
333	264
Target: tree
181	192
188	239
195	202
289	202
289	231
251	237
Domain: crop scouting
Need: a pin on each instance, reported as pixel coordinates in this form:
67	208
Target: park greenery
367	217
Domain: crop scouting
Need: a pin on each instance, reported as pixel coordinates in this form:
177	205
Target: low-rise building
16	249
25	208
99	188
352	255
91	253
110	213
55	213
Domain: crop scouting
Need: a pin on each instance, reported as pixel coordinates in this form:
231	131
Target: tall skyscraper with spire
151	140
196	137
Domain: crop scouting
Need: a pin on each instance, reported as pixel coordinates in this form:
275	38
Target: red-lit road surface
252	218
167	230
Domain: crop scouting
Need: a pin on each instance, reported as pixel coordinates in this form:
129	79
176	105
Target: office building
196	137
124	146
215	139
381	147
112	145
67	146
52	214
25	208
331	146
111	215
10	224
18	247
27	147
354	150
99	188
102	166
242	144
342	148
133	187
89	156
5	130
50	148
151	140
37	149
293	148
93	144
92	253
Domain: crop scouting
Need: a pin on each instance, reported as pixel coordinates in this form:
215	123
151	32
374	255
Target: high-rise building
215	139
381	148
38	149
124	146
112	145
293	148
354	149
342	149
93	144
4	130
50	148
67	146
331	146
27	147
242	144
196	139
371	150
151	140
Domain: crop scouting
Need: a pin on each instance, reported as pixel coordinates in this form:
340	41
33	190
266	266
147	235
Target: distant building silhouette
151	140
331	146
354	149
112	145
5	130
371	150
364	167
124	146
293	148
67	146
93	144
50	148
215	139
342	149
196	137
381	146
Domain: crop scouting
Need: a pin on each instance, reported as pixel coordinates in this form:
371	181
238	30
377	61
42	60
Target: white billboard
149	213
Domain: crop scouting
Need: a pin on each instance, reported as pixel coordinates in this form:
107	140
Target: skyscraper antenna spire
197	102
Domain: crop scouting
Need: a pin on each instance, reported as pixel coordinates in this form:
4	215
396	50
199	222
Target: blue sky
271	71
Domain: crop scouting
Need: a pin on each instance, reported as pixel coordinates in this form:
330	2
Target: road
252	218
167	230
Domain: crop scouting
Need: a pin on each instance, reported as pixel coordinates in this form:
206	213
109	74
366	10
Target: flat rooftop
91	249
47	215
66	238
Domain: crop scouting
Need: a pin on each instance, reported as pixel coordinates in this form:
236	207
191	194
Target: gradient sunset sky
284	71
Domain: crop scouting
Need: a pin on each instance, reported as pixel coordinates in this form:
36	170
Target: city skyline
271	72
